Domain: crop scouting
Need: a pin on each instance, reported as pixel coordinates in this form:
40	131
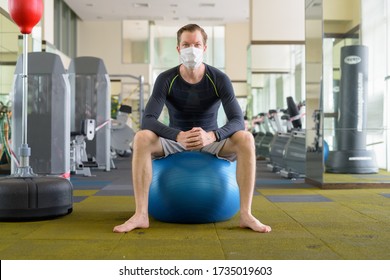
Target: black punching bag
351	155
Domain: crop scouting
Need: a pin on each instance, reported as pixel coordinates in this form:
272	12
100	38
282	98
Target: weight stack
351	155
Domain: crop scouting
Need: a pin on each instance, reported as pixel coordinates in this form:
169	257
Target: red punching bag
25	13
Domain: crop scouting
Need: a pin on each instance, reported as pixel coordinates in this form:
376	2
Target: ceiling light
207	5
205	18
141	5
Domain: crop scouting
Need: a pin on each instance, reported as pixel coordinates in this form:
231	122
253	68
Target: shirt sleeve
153	110
235	118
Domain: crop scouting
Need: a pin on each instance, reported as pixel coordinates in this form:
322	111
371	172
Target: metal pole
24	151
24	169
24	89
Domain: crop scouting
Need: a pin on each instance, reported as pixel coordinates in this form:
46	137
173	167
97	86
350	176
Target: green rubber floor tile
164	231
18	230
168	249
377	211
271	248
360	247
74	231
58	250
105	204
298	198
4	244
352	195
288	191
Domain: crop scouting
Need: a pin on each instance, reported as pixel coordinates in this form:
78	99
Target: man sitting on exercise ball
193	92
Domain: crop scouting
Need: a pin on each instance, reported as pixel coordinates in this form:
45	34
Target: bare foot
136	221
248	221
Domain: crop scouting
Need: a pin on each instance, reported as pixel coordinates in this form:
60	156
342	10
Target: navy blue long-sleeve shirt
193	105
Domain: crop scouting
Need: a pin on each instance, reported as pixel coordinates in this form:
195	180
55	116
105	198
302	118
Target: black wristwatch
217	137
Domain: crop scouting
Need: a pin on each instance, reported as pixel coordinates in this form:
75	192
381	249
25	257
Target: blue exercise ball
326	150
192	188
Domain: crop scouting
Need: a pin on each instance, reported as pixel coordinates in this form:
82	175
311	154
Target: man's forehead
196	35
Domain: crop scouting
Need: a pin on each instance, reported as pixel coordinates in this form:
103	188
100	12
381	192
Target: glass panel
276	122
9	52
165	54
72	35
65	28
135	41
374	30
57	23
215	54
354	99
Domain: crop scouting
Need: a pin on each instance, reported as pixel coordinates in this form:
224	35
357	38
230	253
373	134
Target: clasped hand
196	138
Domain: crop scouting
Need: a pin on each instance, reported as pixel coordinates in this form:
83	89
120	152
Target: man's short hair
192	27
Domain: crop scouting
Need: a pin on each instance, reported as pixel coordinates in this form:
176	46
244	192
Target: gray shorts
172	147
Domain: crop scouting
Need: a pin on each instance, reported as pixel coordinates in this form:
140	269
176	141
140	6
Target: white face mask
191	57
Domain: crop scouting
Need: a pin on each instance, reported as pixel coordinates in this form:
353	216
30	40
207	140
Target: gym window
65	28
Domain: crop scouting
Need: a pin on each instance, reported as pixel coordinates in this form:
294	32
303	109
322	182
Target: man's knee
240	142
144	138
243	137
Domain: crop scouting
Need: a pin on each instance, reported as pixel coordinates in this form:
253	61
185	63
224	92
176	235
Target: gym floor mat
297	198
308	223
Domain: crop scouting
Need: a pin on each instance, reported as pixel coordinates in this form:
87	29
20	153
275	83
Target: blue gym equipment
193	187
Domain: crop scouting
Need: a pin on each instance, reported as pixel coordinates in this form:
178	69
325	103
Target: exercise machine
90	99
294	154
282	124
122	135
48	114
264	137
80	164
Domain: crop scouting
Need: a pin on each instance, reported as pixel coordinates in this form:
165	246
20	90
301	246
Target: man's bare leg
242	144
145	144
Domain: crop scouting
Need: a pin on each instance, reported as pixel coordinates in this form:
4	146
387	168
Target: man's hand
196	138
